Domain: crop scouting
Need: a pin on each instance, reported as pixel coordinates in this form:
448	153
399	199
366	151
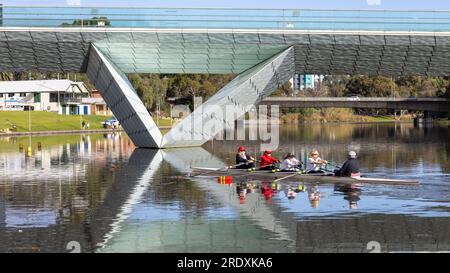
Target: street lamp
29	152
29	118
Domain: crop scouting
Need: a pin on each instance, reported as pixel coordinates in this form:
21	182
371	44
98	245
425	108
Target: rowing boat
325	178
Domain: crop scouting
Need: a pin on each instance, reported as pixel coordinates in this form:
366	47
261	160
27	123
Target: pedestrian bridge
415	104
264	47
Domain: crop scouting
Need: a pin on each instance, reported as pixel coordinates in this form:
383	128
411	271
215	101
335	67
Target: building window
1	95
37	97
53	97
10	95
23	94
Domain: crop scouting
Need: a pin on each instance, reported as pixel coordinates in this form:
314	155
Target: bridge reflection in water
141	204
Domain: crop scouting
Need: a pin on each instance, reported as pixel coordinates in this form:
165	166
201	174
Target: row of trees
155	89
382	86
95	21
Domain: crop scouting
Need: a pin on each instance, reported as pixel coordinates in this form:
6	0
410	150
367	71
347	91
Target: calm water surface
101	192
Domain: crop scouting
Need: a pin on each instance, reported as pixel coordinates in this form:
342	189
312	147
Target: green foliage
336	85
90	22
284	91
379	86
151	88
447	93
382	86
154	89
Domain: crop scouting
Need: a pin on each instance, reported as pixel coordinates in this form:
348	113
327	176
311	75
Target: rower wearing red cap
243	160
268	161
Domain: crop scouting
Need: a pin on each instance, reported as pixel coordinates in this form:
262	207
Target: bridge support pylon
123	101
242	93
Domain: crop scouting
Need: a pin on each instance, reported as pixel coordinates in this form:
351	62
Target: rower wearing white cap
350	167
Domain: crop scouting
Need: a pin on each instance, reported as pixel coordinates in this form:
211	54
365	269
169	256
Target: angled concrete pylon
247	89
121	97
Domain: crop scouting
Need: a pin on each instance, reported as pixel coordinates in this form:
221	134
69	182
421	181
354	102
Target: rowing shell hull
319	178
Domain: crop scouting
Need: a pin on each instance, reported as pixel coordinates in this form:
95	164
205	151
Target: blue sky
331	4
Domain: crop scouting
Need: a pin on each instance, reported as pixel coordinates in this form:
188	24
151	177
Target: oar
222	169
286	177
327	170
270	165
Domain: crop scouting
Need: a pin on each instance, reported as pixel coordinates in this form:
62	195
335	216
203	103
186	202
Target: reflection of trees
72	199
75	192
445	158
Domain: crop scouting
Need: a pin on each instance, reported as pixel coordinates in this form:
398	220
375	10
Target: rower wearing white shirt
315	163
290	164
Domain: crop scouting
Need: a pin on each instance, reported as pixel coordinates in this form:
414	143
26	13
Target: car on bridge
354	98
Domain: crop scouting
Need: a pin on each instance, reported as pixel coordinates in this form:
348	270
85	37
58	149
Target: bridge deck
418	104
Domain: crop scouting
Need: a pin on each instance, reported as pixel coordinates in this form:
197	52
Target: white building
61	96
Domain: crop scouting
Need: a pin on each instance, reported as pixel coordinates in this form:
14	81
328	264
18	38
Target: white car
354	98
113	123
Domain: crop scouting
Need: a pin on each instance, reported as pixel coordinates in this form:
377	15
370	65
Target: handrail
217	8
223	18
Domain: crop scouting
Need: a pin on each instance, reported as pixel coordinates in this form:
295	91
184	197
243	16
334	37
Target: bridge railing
221	18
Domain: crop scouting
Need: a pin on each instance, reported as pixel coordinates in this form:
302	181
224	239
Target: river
97	193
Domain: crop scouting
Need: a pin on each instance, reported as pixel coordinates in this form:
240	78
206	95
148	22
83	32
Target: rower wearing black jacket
350	167
244	161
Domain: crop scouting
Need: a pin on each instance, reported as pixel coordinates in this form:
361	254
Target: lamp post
29	149
29	118
157	112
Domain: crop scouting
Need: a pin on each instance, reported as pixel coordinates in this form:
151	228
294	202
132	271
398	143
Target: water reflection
351	193
102	192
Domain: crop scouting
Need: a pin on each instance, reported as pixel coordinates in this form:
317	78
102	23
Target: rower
290	164
244	161
351	193
315	163
314	196
350	167
290	193
268	161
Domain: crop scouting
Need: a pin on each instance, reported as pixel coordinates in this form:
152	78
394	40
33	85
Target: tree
95	21
336	85
447	93
285	90
365	86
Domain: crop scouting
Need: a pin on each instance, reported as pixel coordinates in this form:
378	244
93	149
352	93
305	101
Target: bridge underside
263	59
225	51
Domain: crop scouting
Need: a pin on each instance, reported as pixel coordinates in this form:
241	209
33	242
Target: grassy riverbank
45	121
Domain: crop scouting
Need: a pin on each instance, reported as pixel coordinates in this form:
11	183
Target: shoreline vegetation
338	115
